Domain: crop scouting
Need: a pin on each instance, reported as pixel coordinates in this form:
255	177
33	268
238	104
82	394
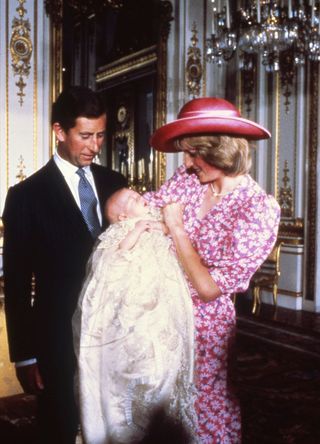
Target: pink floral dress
233	239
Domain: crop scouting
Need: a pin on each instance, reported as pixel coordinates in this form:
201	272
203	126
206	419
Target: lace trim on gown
133	332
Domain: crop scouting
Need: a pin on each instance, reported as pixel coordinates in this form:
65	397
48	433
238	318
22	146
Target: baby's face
134	204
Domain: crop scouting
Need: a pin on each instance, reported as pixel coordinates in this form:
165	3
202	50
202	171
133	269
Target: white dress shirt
70	175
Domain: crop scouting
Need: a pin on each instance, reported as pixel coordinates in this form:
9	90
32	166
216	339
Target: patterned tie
88	203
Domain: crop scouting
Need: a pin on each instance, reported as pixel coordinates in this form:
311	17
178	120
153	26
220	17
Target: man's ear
59	132
122	216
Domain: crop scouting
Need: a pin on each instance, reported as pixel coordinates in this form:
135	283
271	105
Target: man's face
80	144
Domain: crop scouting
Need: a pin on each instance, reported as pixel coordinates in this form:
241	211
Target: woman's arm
190	260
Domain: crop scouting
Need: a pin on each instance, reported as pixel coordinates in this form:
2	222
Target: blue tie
88	203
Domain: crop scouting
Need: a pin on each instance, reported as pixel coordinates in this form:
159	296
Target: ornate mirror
119	48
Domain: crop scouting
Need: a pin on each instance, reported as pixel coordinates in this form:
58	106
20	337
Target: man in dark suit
51	221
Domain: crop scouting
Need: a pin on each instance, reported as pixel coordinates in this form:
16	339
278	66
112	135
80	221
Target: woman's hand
189	258
173	216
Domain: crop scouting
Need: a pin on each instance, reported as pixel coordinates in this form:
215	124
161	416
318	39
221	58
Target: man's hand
30	379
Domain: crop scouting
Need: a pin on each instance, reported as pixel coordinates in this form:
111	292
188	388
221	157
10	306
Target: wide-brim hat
206	115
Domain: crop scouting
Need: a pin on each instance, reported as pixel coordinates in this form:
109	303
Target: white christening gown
133	334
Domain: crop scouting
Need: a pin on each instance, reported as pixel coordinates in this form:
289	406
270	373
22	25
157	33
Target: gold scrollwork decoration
248	73
285	195
21	170
127	64
21	49
313	181
291	231
194	66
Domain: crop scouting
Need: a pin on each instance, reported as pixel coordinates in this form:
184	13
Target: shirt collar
67	168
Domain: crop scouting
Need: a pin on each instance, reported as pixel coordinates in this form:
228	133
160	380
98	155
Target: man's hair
77	101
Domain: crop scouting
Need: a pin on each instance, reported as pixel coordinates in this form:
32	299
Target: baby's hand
148	225
144	225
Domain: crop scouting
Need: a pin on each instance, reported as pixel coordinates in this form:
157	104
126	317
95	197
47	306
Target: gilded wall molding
161	99
54	10
285	194
294	294
312	175
194	66
288	72
248	76
277	137
7	98
21	49
21	170
291	231
35	88
204	40
128	64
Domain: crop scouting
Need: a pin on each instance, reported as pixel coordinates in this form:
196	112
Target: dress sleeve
253	238
173	190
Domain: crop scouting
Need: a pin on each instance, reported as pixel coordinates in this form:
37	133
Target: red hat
206	115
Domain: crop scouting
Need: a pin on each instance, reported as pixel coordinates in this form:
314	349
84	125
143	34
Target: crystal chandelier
268	28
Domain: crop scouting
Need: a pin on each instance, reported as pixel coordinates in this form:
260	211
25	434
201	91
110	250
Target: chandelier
268	28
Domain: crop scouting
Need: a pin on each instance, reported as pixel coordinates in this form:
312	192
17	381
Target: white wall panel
24	122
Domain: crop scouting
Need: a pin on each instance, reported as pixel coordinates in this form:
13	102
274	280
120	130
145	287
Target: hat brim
164	137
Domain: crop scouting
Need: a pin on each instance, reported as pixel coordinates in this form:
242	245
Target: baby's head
124	204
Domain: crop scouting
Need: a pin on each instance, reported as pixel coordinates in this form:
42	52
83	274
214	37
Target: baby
133	328
125	204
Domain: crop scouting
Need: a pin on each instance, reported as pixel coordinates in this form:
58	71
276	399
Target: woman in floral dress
223	227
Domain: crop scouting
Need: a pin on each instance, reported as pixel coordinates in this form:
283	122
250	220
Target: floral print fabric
233	239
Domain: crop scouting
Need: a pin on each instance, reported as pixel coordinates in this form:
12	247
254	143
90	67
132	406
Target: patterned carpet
279	391
278	377
278	360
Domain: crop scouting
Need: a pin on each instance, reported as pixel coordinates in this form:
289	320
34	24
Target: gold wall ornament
21	49
54	9
127	64
312	180
248	74
21	170
166	11
291	231
285	194
194	66
288	75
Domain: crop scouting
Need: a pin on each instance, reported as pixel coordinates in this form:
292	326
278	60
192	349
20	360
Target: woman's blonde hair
229	154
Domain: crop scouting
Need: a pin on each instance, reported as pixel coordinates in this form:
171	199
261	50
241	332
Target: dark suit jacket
45	235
